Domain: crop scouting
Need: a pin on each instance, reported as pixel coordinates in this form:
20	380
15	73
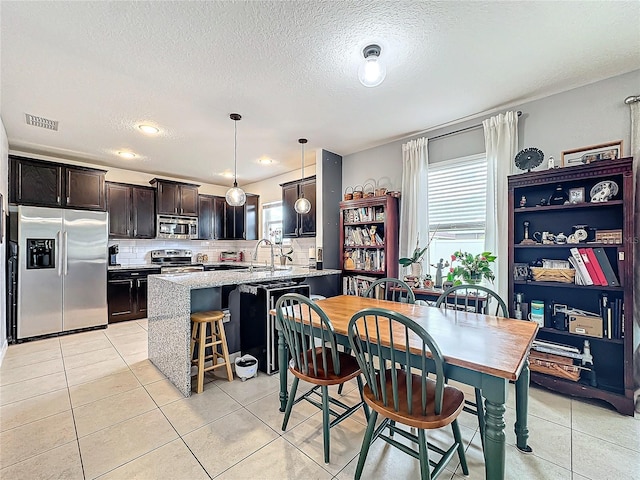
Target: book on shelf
605	265
580	266
356	284
590	267
596	267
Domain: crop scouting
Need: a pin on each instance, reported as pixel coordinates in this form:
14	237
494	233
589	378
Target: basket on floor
562	275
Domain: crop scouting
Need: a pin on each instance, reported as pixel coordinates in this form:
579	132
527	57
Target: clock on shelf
529	158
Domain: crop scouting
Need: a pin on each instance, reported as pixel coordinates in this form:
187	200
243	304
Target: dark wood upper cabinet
189	200
174	198
85	188
48	184
131	211
119	208
143	218
205	217
251	218
219	210
220	221
293	223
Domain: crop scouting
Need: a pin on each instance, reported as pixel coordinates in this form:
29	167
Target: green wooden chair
476	299
400	390
381	288
315	359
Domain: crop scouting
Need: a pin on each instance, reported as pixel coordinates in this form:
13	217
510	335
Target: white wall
587	115
4	190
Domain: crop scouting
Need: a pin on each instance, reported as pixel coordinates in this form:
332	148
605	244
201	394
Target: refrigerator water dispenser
40	253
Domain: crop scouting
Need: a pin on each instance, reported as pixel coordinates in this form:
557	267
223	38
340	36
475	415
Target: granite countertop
218	278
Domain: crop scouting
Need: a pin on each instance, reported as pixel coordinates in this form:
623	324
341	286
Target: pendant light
235	196
372	71
302	205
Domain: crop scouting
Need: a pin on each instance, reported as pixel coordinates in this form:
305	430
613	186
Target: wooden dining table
482	351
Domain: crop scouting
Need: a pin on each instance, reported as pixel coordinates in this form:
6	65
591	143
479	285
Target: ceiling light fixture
235	196
265	161
127	154
302	205
148	129
372	72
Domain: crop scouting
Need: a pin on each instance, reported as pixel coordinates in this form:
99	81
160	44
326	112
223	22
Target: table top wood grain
493	345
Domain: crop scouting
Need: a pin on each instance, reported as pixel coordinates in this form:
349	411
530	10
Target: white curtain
414	215
501	144
635	153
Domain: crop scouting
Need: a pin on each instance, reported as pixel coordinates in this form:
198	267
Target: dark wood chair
398	387
476	299
392	289
315	358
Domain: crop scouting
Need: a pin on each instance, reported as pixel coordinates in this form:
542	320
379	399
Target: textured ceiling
290	68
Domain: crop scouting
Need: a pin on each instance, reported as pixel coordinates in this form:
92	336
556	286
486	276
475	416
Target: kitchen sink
262	268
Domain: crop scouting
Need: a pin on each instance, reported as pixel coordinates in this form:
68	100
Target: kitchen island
173	297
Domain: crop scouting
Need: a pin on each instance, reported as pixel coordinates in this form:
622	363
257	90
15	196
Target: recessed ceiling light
127	154
149	129
227	174
265	161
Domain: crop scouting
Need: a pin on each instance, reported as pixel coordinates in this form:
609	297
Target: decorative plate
529	158
603	191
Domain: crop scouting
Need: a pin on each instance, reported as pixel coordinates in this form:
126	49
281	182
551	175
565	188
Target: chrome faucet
255	252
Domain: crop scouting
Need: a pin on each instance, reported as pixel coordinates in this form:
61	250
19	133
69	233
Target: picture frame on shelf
592	153
521	272
576	195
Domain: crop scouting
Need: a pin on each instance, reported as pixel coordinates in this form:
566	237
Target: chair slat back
381	289
473	298
306	329
371	331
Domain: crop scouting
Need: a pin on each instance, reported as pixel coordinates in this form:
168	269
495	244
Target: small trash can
246	367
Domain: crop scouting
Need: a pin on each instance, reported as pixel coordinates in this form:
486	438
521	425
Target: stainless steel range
175	261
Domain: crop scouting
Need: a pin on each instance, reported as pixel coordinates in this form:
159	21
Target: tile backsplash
138	252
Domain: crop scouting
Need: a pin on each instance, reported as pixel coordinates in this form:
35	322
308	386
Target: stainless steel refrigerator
62	278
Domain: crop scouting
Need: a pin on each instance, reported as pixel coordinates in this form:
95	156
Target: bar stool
218	340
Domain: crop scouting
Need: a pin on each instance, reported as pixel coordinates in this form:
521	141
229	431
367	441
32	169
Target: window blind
457	194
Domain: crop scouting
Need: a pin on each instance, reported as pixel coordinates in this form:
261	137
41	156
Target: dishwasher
258	333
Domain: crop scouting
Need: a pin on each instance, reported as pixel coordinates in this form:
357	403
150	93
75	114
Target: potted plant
415	260
471	268
285	256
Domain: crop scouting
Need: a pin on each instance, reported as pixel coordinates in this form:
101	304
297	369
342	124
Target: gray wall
587	115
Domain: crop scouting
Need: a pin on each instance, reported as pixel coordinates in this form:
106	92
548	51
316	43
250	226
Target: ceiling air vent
41	122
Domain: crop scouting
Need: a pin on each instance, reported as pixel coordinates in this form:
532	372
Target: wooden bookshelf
372	256
612	357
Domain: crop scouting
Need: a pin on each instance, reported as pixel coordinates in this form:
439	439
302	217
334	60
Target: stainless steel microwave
177	227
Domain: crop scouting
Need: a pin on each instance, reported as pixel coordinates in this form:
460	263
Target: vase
283	261
416	269
475	278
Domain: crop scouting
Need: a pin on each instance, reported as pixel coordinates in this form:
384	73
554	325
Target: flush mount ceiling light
127	154
149	129
302	205
372	72
265	161
235	196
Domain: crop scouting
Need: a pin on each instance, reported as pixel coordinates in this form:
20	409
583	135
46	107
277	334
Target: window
457	202
272	221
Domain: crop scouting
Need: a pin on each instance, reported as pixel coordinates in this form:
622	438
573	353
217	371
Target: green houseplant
418	254
471	268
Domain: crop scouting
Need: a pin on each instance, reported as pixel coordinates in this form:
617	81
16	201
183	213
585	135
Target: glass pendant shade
302	205
372	71
235	196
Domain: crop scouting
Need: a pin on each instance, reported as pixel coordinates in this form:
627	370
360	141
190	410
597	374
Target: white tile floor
91	405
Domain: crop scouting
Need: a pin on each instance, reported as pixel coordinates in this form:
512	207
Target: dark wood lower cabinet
127	294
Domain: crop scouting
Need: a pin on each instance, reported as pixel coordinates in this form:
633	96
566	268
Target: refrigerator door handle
66	254
59	247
